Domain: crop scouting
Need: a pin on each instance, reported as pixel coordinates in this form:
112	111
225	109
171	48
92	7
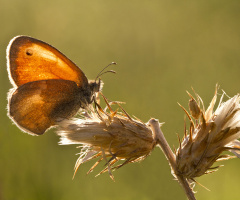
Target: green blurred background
162	48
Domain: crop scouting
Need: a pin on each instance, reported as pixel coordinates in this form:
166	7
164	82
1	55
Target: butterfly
47	86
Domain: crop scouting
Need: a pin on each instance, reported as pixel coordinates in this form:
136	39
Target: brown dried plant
210	134
108	135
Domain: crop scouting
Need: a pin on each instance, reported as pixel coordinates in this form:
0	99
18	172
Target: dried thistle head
108	135
210	134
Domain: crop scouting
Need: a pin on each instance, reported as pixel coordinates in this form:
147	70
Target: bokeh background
162	48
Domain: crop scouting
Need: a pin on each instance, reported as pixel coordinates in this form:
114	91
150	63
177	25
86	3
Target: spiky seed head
213	132
110	136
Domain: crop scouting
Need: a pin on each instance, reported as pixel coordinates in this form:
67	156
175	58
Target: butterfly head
96	86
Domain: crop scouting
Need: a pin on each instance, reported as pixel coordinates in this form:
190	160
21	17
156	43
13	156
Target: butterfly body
48	87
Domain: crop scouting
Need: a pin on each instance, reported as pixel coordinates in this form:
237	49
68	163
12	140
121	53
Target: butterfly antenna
104	72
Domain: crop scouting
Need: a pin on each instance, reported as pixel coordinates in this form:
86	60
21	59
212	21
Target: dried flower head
108	135
210	134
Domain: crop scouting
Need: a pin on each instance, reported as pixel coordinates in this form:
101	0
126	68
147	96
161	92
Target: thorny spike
108	165
191	132
200	101
125	162
127	115
113	158
179	140
214	168
209	111
174	149
190	95
97	109
189	117
79	162
185	127
95	164
77	165
138	119
121	122
200	184
224	157
195	94
232	148
109	107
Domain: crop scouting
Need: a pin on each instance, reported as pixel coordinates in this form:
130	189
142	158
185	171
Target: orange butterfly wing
30	60
35	106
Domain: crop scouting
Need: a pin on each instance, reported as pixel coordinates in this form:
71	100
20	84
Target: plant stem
160	139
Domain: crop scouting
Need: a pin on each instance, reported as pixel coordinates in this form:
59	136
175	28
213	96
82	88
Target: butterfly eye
29	52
